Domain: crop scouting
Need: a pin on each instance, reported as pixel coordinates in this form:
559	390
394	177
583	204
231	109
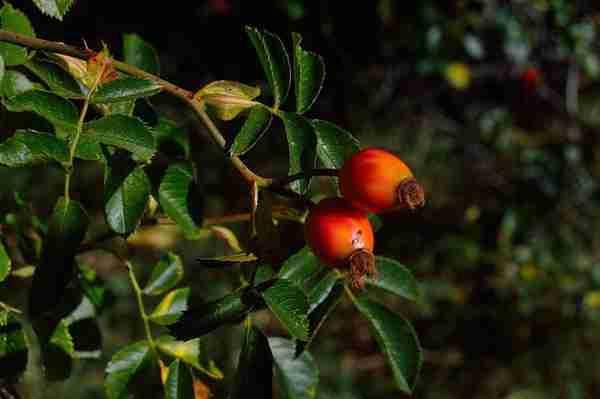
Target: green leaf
5	263
62	339
124	132
298	376
334	144
89	149
300	267
230	309
123	366
66	230
192	352
165	275
54	8
123	108
172	306
397	339
302	145
14	20
255	367
289	304
396	278
93	287
309	75
15	83
31	147
57	79
125	89
168	133
179	384
228	98
274	60
138	52
126	193
324	298
13	346
57	354
322	289
62	113
179	198
258	121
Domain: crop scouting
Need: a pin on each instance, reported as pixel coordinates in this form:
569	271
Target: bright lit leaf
172	306
192	352
165	275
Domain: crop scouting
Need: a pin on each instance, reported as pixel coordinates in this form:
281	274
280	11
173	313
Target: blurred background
495	105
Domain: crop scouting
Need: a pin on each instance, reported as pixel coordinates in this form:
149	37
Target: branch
185	95
284	181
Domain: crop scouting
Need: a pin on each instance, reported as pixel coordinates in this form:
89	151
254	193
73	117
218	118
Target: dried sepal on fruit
341	236
375	180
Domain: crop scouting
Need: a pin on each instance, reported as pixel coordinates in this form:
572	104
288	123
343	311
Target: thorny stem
40	44
187	96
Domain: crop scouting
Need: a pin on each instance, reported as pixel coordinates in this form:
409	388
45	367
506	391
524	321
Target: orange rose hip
374	180
341	236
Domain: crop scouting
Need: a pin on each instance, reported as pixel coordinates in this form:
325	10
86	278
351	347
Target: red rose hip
341	236
374	180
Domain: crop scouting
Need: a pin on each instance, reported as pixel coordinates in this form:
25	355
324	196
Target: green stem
79	129
9	308
138	294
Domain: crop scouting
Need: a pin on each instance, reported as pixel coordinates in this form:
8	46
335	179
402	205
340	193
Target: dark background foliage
506	248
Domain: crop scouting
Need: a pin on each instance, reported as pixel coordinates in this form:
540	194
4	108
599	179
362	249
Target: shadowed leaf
309	75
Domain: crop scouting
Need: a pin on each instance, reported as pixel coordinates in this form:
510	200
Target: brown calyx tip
411	194
362	264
